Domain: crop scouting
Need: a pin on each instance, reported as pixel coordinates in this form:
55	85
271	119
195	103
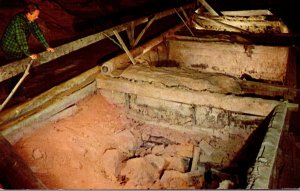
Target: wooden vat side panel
260	62
262	175
254	106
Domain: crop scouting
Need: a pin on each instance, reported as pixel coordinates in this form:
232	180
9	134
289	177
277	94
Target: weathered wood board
260	62
181	94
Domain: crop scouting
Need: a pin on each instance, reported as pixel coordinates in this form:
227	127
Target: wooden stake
26	73
196	155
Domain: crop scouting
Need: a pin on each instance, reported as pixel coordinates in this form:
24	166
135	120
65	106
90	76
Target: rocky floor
98	148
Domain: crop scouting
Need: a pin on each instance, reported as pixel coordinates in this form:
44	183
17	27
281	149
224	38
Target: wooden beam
247	105
15	173
268	90
43	100
17	67
209	8
230	27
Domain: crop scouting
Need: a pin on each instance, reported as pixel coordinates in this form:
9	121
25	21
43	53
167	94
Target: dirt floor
98	148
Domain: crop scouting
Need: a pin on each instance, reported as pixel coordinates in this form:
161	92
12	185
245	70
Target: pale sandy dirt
68	153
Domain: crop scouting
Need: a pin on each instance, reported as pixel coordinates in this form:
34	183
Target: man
14	42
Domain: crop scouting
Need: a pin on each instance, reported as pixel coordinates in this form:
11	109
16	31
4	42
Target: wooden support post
196	155
14	171
209	8
143	31
124	47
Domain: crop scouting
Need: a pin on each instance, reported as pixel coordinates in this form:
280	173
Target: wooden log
246	105
47	98
15	173
19	66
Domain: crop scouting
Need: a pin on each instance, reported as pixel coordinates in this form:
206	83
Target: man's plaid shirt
14	41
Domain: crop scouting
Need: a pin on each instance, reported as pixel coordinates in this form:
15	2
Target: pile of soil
97	147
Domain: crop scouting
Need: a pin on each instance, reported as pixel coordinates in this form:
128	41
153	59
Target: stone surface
140	172
174	180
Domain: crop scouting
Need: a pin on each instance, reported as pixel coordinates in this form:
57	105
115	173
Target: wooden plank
15	173
253	24
48	110
224	25
265	163
244	13
212	82
247	105
184	78
268	90
17	67
47	97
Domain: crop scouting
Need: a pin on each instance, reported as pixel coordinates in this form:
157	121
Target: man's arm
39	35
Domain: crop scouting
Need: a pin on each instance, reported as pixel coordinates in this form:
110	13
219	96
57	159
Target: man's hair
31	7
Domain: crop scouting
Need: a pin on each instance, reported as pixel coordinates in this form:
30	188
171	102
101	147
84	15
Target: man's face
33	16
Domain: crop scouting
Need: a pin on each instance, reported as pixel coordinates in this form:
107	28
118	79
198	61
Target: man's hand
50	49
33	56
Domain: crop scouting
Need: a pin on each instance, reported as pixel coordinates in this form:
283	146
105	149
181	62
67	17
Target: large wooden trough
190	86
